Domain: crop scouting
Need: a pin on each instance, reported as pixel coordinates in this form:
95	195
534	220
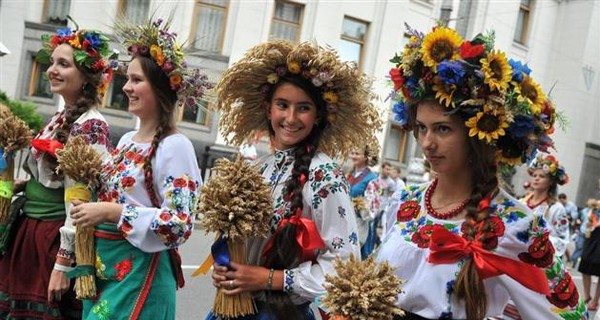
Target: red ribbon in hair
307	235
47	145
447	247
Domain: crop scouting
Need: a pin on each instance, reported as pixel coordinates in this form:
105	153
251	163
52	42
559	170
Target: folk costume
502	106
327	209
43	236
138	268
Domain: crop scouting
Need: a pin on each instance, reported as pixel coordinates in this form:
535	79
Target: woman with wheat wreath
34	284
314	107
149	186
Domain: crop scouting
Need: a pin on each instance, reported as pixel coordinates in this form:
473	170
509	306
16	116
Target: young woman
546	174
314	106
150	186
33	283
590	257
463	244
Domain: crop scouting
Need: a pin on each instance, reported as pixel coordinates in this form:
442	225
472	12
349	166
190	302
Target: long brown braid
484	181
166	98
285	252
87	99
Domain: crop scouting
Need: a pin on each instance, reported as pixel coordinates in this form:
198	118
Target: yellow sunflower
487	125
439	45
531	92
497	72
507	160
443	93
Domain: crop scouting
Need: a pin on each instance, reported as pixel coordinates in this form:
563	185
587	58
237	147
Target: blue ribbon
3	162
220	251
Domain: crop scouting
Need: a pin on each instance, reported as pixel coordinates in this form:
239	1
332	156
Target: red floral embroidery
122	269
182	216
421	237
490	239
564	294
323	193
319	174
125	227
127	182
164	216
192	186
540	252
129	155
408	211
121	167
180	183
139	158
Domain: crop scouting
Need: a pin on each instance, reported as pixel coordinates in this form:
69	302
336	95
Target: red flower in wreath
397	78
564	294
408	211
122	269
540	252
422	236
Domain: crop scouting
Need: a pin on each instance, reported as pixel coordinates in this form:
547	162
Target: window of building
56	11
135	11
287	21
522	28
396	144
115	97
210	18
38	82
354	34
198	115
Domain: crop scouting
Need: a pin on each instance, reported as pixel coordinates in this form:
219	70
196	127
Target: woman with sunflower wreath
462	243
149	186
314	107
34	284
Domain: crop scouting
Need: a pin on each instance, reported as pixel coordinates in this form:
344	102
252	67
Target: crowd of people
465	247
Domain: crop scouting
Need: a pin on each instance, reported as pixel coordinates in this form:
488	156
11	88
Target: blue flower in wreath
518	69
400	110
451	72
63	32
94	39
522	126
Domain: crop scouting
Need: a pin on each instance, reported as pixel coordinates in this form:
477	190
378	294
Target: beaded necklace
533	206
442	215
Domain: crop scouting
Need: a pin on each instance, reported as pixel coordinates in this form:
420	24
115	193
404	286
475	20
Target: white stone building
559	39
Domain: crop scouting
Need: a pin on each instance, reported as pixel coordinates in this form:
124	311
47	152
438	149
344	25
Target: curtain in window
137	10
210	26
57	11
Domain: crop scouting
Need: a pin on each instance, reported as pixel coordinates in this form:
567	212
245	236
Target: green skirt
131	284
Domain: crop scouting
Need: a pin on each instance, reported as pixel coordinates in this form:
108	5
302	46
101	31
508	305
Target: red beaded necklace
442	215
535	205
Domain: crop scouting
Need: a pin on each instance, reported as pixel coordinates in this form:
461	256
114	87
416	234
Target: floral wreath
90	51
500	102
154	40
351	118
550	165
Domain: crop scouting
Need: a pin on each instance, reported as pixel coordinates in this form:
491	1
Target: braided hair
285	252
166	99
484	183
87	99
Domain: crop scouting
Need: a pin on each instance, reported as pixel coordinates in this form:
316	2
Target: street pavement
195	300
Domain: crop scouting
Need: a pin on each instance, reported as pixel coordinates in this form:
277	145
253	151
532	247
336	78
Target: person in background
33	281
398	181
150	185
573	216
580	233
294	92
463	244
590	257
377	196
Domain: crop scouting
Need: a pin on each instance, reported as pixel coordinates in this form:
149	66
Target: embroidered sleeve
331	209
177	182
97	134
564	301
559	228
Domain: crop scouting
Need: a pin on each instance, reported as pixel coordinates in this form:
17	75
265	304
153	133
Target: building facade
557	38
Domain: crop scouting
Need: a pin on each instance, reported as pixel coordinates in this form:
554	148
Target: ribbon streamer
6	189
77	192
307	235
447	247
47	145
3	160
219	253
80	271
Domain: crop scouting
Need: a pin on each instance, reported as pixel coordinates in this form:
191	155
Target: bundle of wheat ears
362	290
14	135
81	163
236	204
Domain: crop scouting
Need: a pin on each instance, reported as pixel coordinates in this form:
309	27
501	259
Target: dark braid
166	99
285	252
87	99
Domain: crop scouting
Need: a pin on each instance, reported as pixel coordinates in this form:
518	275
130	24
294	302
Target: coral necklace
442	215
533	206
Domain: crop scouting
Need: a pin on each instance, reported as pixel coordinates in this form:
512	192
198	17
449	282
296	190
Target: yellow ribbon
6	189
78	192
203	269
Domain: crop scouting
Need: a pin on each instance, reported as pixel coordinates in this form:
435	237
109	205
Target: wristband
62	268
270	280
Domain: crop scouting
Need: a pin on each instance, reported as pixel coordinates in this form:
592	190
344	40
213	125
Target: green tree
24	110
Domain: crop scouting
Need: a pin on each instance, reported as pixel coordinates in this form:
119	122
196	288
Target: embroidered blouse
92	126
516	233
558	223
177	183
326	202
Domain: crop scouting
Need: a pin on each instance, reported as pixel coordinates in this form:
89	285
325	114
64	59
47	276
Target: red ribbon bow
447	247
307	235
47	145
